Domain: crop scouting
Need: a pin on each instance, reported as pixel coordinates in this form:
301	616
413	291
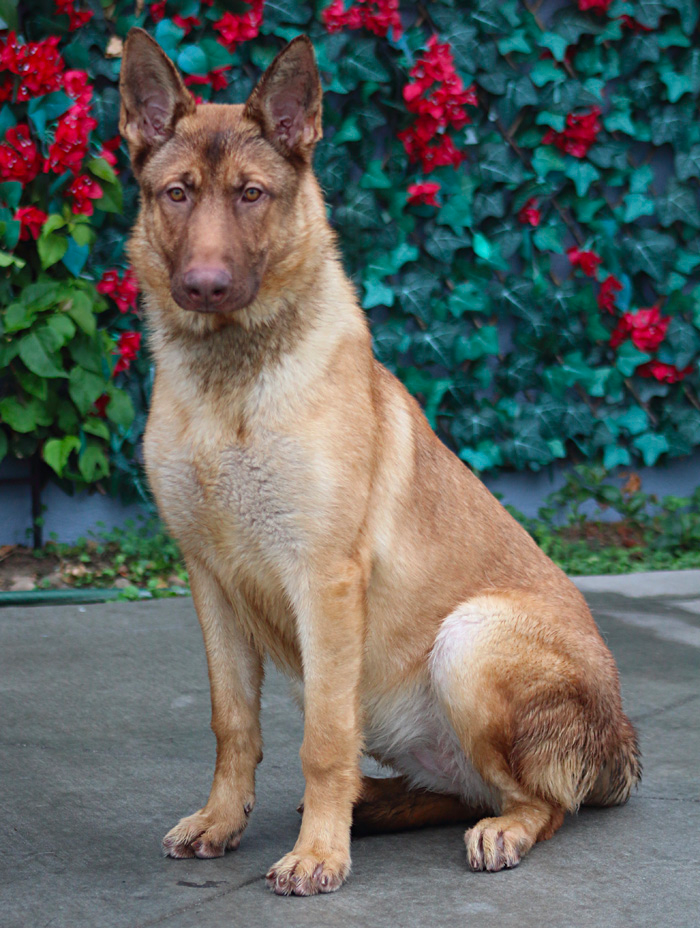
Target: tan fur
325	525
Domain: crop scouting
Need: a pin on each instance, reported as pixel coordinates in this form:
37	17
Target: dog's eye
251	194
177	194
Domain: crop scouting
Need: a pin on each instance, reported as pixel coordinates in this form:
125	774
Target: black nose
207	285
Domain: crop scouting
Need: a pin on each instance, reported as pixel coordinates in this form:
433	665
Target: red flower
100	405
578	136
646	327
216	78
19	157
71	141
665	373
438	96
77	18
606	295
75	84
84	190
424	193
38	63
186	22
598	6
337	18
7	90
240	27
628	23
32	219
108	149
588	261
123	291
157	11
377	16
128	346
530	214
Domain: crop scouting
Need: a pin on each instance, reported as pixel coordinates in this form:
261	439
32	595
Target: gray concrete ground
105	743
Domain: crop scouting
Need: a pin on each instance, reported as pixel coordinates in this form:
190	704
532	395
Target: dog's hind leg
533	696
391	804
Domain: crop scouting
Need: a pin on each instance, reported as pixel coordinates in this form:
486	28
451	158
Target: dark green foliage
481	313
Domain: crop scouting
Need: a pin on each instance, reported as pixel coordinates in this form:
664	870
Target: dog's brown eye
251	194
177	194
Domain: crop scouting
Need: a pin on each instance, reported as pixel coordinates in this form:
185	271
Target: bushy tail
574	751
621	771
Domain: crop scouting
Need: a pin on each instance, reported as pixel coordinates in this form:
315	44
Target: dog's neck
284	336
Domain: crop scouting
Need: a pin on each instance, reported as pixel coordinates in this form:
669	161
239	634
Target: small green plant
133	558
644	533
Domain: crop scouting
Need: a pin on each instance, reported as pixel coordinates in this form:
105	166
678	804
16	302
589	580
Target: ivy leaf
20	417
56	452
37	350
582	174
679	205
192	60
652	445
629	359
651	253
84	388
120	409
75	256
93	463
467	297
80	309
377	294
687	164
50	106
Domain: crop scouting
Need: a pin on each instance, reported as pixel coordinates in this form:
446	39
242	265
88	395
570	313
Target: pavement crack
671	799
199	902
653	713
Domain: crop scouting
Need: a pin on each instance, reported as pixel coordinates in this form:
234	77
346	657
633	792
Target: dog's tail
576	751
621	771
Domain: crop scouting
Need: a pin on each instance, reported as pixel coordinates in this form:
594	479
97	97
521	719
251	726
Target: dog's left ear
153	95
287	101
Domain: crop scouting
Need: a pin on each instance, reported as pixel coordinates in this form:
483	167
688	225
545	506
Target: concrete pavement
105	744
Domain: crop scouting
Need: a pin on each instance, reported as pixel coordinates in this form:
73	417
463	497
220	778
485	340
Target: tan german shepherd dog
324	524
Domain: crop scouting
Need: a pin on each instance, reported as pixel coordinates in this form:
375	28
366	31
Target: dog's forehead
218	145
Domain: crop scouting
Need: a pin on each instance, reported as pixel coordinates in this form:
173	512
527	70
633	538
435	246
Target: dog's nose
207	285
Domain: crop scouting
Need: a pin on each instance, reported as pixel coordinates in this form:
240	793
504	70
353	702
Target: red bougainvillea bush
515	187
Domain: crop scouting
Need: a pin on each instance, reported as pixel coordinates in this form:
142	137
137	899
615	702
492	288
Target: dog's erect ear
153	95
287	101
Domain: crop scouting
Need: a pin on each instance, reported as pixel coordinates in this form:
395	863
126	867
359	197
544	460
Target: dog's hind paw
307	874
206	834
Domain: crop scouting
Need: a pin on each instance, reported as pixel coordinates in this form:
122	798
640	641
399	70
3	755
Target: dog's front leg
235	675
331	633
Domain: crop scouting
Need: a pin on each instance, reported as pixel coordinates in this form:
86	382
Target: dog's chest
244	506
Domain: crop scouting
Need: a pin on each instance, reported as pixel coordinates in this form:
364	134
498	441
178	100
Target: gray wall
71	517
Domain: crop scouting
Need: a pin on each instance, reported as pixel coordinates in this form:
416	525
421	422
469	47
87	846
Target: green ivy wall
517	203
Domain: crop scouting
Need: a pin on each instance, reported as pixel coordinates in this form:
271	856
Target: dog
325	526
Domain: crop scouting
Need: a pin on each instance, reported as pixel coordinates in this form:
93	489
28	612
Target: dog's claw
306	875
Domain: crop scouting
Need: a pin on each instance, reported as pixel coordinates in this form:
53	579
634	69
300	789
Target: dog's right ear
153	96
287	101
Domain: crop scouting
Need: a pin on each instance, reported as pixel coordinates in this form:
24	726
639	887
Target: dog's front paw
308	873
490	847
207	833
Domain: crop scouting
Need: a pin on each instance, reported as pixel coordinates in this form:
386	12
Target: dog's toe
203	835
492	848
299	874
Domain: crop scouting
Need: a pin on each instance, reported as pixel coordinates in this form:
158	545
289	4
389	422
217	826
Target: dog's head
219	183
